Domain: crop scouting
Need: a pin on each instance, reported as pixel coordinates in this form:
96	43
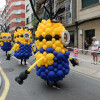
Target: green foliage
35	23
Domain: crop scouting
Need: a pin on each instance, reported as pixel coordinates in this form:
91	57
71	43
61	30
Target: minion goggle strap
48	37
65	37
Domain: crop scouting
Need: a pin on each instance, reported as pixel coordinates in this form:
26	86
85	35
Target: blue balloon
51	75
60	73
66	66
38	73
43	75
55	59
67	53
60	55
63	63
47	71
59	61
41	50
55	53
55	64
63	69
50	68
37	68
43	68
49	50
60	66
66	71
55	69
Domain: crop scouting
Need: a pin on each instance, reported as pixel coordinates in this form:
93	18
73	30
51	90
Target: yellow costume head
23	35
6	37
52	35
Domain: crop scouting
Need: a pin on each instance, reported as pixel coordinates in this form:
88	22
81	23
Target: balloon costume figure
5	41
23	44
52	56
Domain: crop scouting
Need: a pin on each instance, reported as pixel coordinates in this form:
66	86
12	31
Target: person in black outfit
86	46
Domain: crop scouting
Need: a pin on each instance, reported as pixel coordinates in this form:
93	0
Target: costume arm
24	75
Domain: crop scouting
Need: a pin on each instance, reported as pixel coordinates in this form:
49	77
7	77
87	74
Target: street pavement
86	67
74	87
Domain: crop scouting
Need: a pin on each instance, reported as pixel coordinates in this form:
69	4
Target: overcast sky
2	3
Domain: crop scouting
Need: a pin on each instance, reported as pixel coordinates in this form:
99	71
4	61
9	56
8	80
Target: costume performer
52	56
23	44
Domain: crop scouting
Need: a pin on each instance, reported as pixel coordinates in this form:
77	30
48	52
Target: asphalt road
73	87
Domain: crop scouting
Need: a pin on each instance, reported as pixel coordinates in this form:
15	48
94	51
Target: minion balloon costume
5	41
52	56
23	44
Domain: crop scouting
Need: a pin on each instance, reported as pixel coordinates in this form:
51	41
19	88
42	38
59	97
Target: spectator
95	48
86	45
76	54
99	53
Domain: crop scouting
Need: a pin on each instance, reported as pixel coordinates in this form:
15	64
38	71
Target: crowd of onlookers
95	50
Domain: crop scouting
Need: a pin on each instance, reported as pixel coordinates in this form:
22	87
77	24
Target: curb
0	82
86	74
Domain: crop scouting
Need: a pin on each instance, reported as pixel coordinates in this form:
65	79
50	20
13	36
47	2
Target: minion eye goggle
5	37
65	37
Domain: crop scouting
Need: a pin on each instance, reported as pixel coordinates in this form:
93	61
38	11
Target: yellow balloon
49	44
44	53
63	51
44	47
43	34
48	31
50	62
57	43
53	46
50	56
44	41
57	31
41	45
58	49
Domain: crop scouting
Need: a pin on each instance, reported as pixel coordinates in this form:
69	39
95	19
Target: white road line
28	64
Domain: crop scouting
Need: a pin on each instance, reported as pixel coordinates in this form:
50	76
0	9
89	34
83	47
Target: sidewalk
86	67
0	81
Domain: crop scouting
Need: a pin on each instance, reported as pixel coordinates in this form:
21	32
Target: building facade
88	19
15	11
29	16
3	15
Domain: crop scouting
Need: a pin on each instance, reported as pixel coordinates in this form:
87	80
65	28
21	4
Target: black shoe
48	84
55	85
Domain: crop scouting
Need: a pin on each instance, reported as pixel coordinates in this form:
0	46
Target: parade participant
52	56
6	43
23	44
76	54
95	48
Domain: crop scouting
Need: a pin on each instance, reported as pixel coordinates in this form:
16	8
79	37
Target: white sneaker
95	63
92	62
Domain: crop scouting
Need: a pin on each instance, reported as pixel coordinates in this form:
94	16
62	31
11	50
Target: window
18	12
89	34
18	20
27	8
27	20
18	3
32	16
86	3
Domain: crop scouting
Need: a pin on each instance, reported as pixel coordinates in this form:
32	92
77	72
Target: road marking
86	75
28	64
7	85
